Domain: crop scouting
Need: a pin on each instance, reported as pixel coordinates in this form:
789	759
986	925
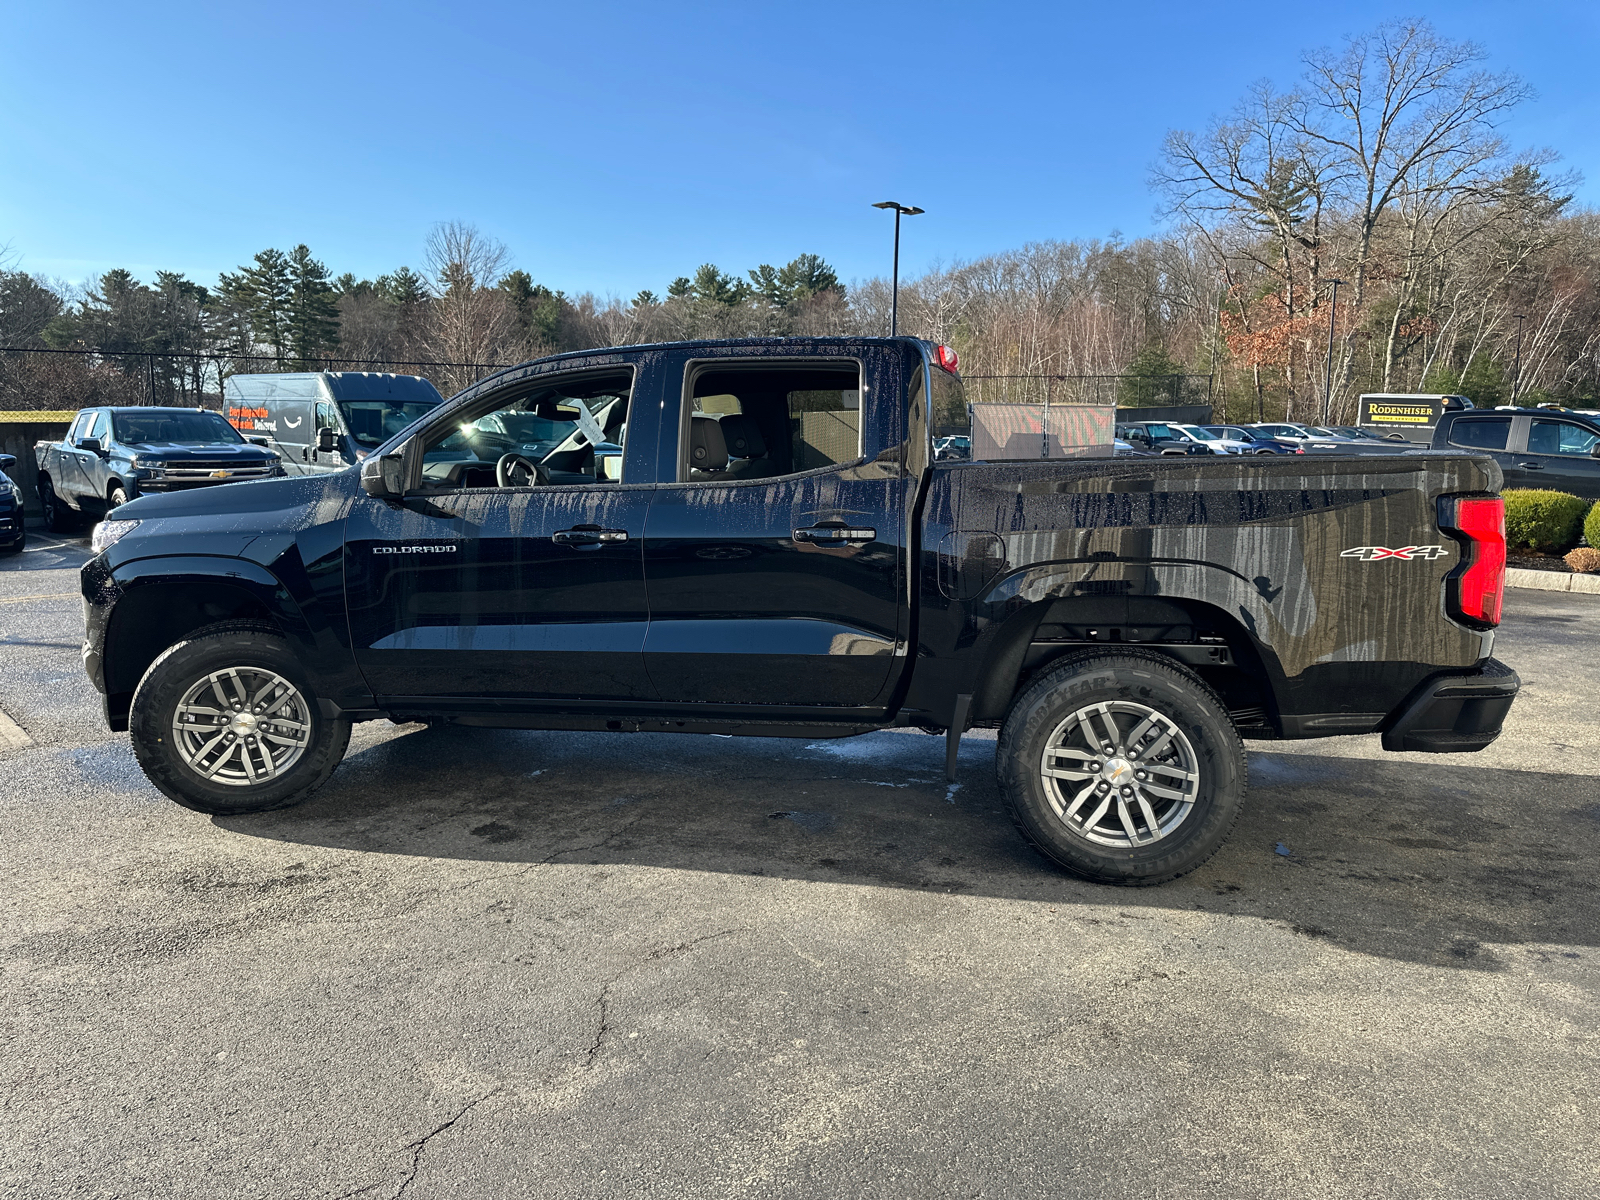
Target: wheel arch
161	602
1039	634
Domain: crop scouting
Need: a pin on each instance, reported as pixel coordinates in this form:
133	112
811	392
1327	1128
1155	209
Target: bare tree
469	321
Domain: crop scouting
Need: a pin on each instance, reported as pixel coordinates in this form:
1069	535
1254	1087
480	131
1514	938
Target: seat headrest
741	436
707	449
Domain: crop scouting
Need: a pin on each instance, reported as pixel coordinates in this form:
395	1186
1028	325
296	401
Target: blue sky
614	146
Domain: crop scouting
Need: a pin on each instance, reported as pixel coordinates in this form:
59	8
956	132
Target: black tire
58	515
1097	823
254	652
116	497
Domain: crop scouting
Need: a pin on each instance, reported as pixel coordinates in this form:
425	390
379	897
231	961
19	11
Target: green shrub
1549	522
1591	526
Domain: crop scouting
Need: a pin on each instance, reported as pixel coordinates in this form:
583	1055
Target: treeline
1462	264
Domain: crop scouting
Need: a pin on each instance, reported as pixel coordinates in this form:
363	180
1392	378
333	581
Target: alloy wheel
241	726
1120	774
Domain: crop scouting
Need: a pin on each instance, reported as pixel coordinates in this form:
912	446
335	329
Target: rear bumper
1454	714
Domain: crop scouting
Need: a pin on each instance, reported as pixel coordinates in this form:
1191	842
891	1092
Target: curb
1552	581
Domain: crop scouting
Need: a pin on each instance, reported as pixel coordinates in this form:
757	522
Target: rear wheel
58	517
1123	768
227	722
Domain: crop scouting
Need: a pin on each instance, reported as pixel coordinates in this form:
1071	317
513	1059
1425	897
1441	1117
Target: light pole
900	210
1327	387
1516	378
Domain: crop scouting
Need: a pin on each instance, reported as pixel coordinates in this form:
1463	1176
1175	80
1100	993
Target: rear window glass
1489	433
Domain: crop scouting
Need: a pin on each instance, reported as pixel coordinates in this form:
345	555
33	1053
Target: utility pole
900	210
1327	387
1516	378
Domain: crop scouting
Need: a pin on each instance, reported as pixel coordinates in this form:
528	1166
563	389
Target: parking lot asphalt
500	964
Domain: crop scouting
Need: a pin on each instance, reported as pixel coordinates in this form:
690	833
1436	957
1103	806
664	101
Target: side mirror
1594	452
92	445
381	478
258	441
7	461
327	439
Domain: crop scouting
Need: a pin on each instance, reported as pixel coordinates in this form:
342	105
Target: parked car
782	556
113	455
1162	437
1535	448
13	530
1218	443
1256	441
1311	439
320	421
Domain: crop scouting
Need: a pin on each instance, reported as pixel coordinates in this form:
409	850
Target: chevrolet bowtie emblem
220	474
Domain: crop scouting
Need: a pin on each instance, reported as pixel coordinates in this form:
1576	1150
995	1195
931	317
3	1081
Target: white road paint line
50	596
11	735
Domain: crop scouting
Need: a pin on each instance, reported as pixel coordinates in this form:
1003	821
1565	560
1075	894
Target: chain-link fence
1122	391
34	379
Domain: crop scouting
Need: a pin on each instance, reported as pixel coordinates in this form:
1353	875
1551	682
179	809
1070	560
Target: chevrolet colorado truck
773	549
112	455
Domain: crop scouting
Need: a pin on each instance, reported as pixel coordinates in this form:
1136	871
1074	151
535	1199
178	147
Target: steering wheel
511	465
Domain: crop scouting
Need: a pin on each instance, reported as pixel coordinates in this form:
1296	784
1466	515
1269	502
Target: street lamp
1327	387
1516	379
900	210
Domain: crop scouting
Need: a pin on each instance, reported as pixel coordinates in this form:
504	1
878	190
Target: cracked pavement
498	964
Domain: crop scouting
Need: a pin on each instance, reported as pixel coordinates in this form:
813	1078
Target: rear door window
749	421
1489	433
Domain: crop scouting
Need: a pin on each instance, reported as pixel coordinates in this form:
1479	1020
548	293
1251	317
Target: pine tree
264	293
313	325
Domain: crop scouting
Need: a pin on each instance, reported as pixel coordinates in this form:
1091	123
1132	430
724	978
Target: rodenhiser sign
1412	416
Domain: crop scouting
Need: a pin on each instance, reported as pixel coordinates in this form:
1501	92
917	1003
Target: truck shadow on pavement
1432	865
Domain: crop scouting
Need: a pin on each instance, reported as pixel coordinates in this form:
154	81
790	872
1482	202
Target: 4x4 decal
1377	553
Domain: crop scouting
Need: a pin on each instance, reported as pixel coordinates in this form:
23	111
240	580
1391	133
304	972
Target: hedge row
1549	522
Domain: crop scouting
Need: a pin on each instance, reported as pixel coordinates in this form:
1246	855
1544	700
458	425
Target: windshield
1321	432
174	428
372	422
1204	435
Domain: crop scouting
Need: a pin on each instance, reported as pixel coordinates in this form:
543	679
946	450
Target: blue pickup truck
112	455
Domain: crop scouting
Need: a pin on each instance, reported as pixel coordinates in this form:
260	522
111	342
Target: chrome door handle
834	535
1531	466
588	535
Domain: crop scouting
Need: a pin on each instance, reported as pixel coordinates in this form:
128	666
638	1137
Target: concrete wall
17	437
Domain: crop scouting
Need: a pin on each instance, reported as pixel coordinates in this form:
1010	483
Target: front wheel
1122	768
226	722
117	497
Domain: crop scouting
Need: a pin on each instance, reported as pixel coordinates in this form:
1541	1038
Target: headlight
7	488
109	532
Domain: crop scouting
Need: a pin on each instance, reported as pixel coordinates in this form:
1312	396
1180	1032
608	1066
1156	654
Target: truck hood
182	450
225	519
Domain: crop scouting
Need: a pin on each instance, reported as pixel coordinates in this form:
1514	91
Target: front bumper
1454	714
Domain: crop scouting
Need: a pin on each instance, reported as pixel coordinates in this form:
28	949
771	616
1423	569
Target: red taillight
1475	590
945	356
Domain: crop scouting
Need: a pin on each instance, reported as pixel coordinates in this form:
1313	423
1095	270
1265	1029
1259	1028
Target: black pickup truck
776	552
1535	447
112	455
